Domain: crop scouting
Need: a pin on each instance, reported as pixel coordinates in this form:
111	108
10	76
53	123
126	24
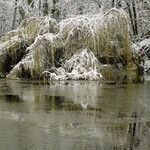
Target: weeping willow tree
94	45
106	35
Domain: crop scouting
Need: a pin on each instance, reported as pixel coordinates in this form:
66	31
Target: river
74	115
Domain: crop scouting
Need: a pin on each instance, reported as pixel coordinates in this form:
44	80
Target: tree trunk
14	16
39	7
130	15
135	18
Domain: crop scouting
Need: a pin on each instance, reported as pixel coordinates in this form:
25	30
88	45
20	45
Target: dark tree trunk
130	15
135	18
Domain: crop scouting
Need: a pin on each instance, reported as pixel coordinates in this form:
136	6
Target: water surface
74	116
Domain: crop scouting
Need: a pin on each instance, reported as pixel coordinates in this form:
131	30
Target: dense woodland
75	39
14	11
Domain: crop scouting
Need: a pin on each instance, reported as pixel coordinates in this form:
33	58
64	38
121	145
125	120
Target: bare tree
131	7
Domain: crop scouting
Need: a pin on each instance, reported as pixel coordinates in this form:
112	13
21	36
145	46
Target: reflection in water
137	131
11	98
77	116
58	103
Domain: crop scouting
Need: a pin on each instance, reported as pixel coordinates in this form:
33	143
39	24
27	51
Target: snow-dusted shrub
13	46
80	43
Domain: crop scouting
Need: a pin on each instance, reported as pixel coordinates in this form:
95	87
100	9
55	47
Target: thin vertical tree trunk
135	18
14	16
130	15
39	7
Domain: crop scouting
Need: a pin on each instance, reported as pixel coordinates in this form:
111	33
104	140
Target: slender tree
40	7
14	15
135	18
131	7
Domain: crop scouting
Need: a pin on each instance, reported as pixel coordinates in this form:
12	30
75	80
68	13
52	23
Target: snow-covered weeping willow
98	32
79	45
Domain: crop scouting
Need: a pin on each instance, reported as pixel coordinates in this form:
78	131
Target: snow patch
147	66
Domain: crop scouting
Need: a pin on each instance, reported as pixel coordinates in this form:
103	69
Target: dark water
74	116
